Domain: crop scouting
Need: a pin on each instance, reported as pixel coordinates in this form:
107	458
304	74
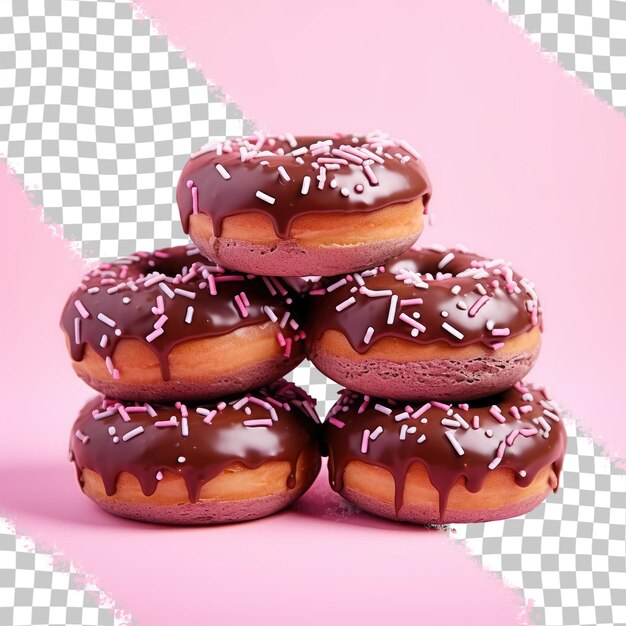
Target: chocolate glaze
512	302
526	456
207	450
123	297
252	164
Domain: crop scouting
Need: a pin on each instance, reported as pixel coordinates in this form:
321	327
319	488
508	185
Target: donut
170	325
435	323
438	463
236	459
309	205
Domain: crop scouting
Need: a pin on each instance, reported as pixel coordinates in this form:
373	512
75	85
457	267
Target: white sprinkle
132	433
382	409
340	283
263	196
522	473
181	459
166	290
446	259
452	330
299	152
377	433
83	438
106	320
401	416
392	309
421	439
306	184
345	192
368	335
444	313
159	475
455	444
187	294
495	463
450	423
283	173
222	170
270	313
189	315
111	430
489	325
456	290
345	304
184	427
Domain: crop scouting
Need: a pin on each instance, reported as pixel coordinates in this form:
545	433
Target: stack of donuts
306	246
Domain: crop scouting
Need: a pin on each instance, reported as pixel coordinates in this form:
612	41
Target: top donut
308	205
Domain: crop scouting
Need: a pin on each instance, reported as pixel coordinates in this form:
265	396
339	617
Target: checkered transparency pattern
36	587
587	37
98	114
568	556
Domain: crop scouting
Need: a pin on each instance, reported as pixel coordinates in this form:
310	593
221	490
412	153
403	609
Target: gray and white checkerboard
587	37
97	116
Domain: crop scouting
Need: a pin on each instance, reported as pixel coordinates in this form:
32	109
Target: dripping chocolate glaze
401	177
213	315
208	449
507	310
525	457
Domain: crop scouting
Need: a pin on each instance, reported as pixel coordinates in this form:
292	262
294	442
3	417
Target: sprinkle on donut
520	429
428	295
168	297
286	176
191	440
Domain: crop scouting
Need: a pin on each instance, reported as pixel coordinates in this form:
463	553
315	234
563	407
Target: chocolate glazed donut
435	323
235	459
310	205
171	325
437	463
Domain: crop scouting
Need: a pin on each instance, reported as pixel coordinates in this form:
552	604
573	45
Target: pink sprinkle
159	323
122	411
497	345
441	405
287	352
422	410
166	423
317	292
240	305
281	339
212	285
528	432
154	334
514	411
496	413
478	305
476	422
365	440
77	330
501	332
370	175
512	436
411	301
526	408
81	309
366	401
221	405
464	406
411	322
257	422
335	422
136	409
244	298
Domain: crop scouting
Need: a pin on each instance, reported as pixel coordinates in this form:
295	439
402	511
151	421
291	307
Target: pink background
525	164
